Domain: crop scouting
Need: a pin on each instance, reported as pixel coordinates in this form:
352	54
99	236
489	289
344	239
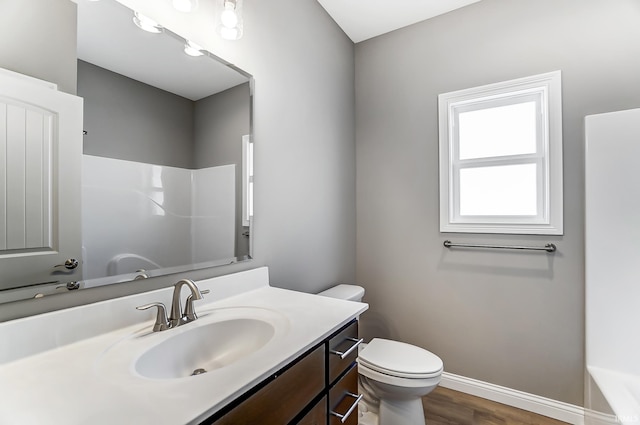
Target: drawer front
282	399
317	415
343	399
343	351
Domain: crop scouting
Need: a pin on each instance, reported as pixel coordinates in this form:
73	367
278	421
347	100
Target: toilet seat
398	359
383	378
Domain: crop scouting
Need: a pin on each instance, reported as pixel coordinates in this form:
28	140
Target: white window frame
545	89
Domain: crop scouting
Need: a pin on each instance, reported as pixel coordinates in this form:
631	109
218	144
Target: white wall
46	30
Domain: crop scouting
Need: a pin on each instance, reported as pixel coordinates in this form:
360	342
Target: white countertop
70	382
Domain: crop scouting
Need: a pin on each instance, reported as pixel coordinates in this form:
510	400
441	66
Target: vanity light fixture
185	5
147	24
193	49
230	23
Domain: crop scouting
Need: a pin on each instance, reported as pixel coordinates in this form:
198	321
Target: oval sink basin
204	348
220	339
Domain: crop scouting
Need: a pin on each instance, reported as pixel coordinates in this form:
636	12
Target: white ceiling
364	19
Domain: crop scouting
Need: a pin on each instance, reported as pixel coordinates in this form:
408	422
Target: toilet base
413	414
401	412
387	411
367	418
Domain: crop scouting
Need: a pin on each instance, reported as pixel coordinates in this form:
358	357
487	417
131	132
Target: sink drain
198	371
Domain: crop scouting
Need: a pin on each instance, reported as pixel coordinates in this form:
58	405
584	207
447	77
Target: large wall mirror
166	159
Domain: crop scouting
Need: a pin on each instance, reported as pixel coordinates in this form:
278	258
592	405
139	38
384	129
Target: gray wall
127	119
224	118
510	318
304	133
37	37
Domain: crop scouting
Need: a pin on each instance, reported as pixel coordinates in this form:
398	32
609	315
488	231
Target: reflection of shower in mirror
127	203
130	263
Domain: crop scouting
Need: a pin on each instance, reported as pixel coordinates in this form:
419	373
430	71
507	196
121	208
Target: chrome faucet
176	318
162	324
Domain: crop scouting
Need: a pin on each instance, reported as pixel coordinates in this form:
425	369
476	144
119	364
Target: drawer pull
344	354
344	417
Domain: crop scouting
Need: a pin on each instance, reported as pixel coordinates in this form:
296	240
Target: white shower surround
612	255
126	203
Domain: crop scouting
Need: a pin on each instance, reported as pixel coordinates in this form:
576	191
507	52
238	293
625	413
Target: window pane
506	190
498	131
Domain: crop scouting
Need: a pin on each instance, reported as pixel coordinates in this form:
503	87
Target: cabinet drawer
284	397
343	399
317	415
343	351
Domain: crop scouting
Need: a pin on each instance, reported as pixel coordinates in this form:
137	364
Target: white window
501	157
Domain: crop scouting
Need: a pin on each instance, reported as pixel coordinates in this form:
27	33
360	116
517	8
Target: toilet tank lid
344	292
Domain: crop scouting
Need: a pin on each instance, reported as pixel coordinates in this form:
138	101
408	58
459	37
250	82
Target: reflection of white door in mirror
40	136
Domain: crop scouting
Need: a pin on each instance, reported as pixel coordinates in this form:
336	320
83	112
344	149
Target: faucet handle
162	323
189	311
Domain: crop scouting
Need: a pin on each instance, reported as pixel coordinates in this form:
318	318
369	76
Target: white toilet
394	376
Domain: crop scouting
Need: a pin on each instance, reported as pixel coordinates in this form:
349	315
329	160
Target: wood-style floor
447	407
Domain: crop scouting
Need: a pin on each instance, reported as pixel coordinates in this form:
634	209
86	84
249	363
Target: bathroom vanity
270	356
320	384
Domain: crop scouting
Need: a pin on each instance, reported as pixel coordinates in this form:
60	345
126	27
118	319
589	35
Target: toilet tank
344	292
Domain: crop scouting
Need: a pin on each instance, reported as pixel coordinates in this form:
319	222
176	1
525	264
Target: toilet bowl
393	376
396	376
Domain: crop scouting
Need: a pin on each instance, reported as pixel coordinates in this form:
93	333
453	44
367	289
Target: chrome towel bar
548	247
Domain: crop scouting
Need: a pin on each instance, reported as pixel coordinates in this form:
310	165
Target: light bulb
192	49
229	22
228	18
229	33
185	5
146	23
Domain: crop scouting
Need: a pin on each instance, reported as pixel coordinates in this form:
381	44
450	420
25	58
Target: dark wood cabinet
315	389
317	415
343	399
342	352
281	399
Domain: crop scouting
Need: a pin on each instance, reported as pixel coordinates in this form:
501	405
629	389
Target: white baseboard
533	403
597	418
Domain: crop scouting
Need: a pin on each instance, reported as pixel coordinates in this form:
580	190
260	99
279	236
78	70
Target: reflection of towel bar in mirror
548	247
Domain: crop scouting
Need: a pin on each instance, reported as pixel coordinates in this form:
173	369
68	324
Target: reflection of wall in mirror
225	117
127	119
142	216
